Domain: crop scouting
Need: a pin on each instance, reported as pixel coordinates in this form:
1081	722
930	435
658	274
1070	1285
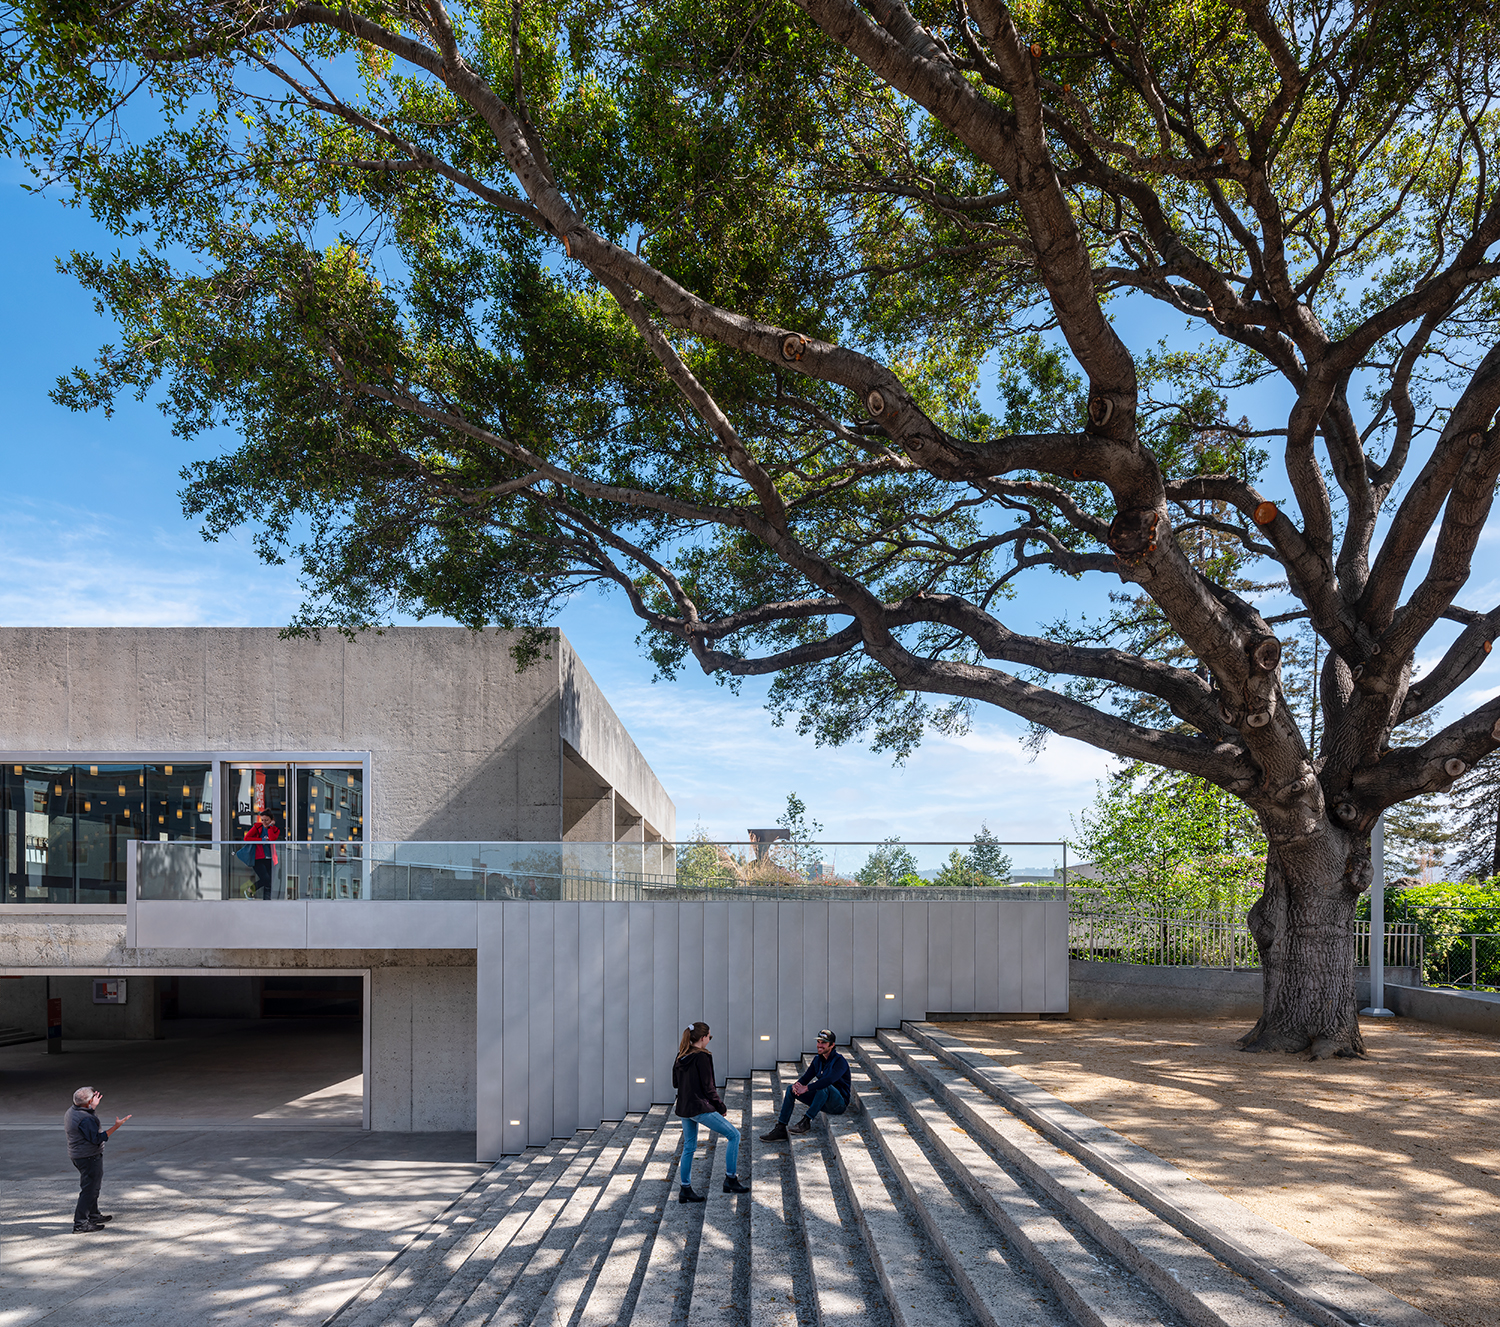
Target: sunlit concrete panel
791	1032
566	1047
382	924
815	968
841	969
667	1022
540	1030
763	985
616	1011
942	943
641	1042
489	1076
1033	927
515	1025
1055	993
738	989
913	983
236	924
591	1011
866	992
964	925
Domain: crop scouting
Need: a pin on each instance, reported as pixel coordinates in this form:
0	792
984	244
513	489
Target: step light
640	1080
515	1124
890	997
766	1038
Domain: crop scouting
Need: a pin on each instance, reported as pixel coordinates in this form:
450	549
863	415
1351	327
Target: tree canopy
703	300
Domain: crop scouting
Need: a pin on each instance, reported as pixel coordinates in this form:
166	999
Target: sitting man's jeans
714	1123
828	1099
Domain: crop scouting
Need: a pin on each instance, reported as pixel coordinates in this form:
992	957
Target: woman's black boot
732	1185
686	1195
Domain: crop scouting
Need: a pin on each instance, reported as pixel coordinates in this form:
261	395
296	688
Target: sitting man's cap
826	1035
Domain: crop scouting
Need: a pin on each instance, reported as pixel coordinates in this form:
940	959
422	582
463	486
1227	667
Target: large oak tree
704	298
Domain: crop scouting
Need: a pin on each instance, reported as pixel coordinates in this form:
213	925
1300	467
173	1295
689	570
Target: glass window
109	811
256	792
39	833
330	805
180	802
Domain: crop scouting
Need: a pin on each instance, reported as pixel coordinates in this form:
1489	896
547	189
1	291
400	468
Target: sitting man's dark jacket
86	1136
832	1072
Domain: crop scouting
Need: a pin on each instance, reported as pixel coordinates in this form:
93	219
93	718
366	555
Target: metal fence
1469	960
1205	939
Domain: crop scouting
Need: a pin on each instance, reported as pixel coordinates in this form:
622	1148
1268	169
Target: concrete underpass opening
272	1049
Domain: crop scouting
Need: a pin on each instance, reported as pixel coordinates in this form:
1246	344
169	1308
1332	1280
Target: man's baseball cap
826	1035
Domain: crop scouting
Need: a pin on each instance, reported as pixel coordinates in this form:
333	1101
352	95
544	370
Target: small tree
703	863
890	864
1476	828
796	853
983	864
1171	843
987	858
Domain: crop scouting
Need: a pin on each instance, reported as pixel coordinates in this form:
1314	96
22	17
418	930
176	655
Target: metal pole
1377	1007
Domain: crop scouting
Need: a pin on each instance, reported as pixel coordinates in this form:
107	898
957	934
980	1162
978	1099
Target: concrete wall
422	1038
23	1004
1469	1012
582	1004
1144	990
462	746
596	734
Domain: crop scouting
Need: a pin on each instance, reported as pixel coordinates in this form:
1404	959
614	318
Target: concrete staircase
954	1192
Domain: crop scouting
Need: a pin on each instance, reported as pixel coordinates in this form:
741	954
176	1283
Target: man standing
86	1139
823	1086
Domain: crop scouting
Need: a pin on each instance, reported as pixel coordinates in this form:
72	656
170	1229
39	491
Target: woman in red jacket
263	833
698	1102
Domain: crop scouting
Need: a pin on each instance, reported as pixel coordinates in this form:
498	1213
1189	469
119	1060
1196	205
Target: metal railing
1204	939
535	872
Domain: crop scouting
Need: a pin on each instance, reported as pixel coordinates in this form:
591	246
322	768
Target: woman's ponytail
691	1033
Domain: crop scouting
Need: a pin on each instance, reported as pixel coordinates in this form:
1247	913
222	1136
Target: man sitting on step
823	1086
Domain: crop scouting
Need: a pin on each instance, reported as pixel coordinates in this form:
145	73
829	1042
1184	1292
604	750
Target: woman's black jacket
693	1077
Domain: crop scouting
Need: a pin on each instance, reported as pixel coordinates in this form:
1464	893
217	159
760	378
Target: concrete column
422	1045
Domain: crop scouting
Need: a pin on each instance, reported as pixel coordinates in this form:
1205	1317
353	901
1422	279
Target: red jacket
258	833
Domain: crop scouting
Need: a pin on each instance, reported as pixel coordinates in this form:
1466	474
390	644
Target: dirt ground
1389	1164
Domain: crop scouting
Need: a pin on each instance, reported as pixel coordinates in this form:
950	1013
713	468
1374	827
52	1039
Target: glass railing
610	872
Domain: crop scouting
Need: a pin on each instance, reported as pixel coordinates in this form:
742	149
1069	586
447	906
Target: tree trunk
1303	925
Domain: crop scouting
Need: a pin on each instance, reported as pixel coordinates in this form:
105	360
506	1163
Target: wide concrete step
844	1287
410	1271
1211	1258
998	1285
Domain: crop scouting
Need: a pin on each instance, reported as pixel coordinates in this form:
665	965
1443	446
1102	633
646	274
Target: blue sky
93	536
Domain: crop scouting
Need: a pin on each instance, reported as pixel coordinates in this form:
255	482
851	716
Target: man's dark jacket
832	1072
86	1136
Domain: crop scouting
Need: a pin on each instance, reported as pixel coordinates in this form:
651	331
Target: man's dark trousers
90	1177
828	1099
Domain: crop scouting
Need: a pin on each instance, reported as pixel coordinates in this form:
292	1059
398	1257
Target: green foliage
797	853
1443	912
890	864
703	864
1172	843
983	864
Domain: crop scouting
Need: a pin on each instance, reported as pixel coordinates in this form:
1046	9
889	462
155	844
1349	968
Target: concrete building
470	861
110	738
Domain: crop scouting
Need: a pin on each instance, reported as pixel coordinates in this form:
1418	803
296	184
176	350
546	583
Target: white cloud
71	568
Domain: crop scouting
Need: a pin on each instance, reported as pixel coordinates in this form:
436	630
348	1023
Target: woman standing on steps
698	1102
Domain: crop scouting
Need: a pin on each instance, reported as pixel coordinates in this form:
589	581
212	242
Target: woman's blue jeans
714	1123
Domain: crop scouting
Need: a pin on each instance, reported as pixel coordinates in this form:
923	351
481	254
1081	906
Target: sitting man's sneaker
732	1185
777	1134
87	1227
804	1125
